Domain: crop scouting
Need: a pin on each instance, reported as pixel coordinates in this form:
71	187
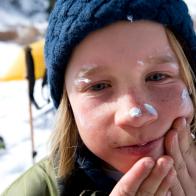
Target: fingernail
149	164
169	193
165	164
184	122
175	137
174	143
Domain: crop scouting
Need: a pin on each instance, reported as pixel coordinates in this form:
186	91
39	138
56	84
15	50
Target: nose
135	113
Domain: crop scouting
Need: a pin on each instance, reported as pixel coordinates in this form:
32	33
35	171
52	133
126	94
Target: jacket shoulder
38	180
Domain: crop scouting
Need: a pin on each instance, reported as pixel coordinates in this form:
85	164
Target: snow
192	7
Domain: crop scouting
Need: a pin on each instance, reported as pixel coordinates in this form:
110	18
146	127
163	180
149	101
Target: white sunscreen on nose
135	112
150	109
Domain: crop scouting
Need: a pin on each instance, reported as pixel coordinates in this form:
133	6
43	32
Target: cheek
186	105
176	102
93	121
90	115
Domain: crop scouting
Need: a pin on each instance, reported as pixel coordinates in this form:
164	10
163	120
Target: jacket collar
87	175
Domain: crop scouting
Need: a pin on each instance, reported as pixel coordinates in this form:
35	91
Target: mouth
142	149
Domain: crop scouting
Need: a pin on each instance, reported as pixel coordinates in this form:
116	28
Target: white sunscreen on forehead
82	80
81	75
130	18
174	65
140	62
150	109
135	112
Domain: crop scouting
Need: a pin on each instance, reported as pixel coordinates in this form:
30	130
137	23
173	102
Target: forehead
138	41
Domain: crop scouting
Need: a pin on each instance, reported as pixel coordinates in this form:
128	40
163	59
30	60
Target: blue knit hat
72	20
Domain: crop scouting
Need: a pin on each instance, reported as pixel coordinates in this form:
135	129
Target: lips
143	149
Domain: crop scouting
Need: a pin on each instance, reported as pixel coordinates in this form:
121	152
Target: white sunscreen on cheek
135	112
184	94
151	109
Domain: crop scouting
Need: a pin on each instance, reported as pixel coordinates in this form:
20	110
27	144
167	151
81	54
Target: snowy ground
15	129
192	6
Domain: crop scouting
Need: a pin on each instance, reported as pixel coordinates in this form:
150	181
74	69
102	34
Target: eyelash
101	84
104	85
162	75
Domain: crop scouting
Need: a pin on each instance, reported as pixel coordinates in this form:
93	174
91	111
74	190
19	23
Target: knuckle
188	151
176	188
181	166
144	192
124	191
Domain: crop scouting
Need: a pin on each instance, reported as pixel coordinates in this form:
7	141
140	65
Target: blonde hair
187	73
66	139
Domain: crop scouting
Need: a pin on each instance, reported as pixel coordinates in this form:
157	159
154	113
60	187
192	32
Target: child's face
125	89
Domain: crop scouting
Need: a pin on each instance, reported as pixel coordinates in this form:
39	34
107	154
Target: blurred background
26	111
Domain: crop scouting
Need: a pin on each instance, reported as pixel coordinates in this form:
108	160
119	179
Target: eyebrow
88	71
161	59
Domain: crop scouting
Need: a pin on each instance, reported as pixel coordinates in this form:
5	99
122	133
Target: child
121	74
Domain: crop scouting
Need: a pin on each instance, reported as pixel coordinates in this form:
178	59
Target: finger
184	134
168	182
159	172
130	182
186	144
173	149
176	189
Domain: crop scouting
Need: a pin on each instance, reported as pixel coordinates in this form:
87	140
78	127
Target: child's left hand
180	146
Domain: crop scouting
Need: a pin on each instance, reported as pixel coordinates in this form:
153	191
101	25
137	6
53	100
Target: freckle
114	143
163	100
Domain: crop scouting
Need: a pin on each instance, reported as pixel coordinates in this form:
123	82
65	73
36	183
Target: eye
99	87
157	77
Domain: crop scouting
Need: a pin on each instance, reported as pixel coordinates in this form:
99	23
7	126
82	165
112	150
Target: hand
147	178
180	146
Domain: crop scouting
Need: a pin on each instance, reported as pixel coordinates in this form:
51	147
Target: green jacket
37	181
40	180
